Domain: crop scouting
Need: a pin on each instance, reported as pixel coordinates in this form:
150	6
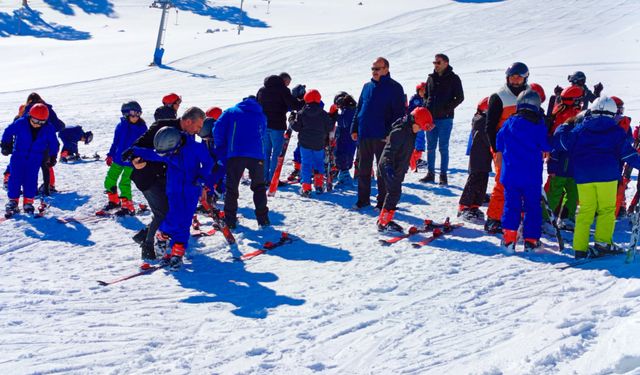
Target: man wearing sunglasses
444	94
26	140
382	101
151	179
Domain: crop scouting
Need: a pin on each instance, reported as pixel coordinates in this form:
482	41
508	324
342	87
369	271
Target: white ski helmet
604	106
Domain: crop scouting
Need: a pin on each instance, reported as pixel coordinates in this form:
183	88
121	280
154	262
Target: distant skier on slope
395	159
26	140
520	144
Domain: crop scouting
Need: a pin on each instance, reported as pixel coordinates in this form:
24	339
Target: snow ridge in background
334	301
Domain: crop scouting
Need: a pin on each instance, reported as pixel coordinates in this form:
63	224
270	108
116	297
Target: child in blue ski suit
345	145
70	136
520	145
188	168
130	128
26	140
214	185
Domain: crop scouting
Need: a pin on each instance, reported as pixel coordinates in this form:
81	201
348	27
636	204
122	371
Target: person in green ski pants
130	128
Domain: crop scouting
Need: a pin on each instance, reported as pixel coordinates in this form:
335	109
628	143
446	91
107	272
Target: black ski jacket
444	93
276	100
154	172
313	125
399	148
165	113
480	155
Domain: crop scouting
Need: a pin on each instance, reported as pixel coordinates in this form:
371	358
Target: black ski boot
443	180
175	263
429	178
392	226
148	252
493	226
28	208
140	236
11	208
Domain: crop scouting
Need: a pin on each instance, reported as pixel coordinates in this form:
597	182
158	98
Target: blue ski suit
187	171
29	146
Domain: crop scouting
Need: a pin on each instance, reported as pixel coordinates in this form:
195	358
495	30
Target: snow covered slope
333	301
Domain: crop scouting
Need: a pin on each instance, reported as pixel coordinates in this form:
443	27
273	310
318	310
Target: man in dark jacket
276	100
150	177
444	94
382	101
238	138
395	161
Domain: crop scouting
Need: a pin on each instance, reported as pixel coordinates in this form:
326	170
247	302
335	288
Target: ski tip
284	235
102	283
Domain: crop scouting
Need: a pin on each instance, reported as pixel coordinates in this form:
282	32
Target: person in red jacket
625	124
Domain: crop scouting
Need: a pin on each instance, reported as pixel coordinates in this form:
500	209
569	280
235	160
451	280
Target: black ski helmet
88	137
129	107
207	128
518	69
338	98
167	140
528	100
577	78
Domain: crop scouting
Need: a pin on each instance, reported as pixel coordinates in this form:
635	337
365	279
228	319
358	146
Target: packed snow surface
334	301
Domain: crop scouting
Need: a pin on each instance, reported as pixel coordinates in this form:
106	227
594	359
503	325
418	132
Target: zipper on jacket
233	135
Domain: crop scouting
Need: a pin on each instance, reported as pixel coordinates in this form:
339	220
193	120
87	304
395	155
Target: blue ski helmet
167	140
131	108
528	100
518	69
88	137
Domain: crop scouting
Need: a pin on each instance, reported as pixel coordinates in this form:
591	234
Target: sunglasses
376	68
437	63
38	122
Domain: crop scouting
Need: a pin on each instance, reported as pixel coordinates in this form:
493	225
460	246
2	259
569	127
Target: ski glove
127	155
7	148
109	160
597	89
52	161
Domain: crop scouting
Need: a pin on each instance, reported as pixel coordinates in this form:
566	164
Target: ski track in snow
334	301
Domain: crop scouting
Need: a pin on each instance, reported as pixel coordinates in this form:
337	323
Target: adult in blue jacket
382	101
70	136
520	145
238	138
188	168
27	139
597	146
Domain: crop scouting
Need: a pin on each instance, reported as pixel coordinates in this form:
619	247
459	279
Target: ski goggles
38	122
132	113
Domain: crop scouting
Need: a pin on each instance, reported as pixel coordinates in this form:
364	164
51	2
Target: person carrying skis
395	159
130	128
150	178
276	100
188	167
480	159
502	105
417	100
520	145
26	140
238	136
345	146
596	146
313	125
169	108
70	136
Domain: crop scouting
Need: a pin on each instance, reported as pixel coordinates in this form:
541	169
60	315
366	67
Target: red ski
145	269
276	174
438	231
428	226
267	246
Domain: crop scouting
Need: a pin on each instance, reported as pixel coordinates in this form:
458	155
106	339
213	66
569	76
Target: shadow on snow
220	13
28	22
88	6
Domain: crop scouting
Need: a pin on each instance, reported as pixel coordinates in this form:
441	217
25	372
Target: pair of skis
147	269
40	211
428	226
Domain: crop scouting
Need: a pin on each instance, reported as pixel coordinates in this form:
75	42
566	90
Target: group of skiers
584	138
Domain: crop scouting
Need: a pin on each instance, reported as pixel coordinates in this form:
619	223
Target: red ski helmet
422	117
483	105
39	112
571	95
312	96
421	86
537	88
214	112
171	99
